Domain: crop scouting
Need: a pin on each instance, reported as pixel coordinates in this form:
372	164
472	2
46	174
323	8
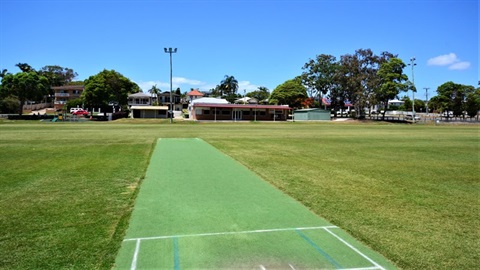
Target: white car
411	117
72	110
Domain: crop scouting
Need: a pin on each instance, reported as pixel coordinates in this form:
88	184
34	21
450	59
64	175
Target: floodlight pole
412	63
170	51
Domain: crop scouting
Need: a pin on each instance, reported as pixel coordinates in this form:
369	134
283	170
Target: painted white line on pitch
135	256
262	267
377	266
362	268
291	267
229	233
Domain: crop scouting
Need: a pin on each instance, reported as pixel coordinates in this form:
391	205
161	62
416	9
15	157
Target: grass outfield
409	192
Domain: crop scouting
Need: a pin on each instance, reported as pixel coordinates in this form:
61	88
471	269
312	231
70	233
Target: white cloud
443	60
181	80
459	66
451	60
184	84
247	86
145	86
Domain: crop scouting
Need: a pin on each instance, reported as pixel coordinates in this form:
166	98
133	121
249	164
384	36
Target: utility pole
426	97
412	63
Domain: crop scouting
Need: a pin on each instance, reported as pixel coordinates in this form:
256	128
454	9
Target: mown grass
411	192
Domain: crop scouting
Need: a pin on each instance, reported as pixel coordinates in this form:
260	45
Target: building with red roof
194	94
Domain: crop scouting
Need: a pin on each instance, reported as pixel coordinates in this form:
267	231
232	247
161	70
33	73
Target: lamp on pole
412	63
170	51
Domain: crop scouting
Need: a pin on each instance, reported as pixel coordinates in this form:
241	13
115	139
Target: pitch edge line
377	266
362	268
228	233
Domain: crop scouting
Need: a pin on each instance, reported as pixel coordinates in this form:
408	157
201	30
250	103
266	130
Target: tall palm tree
154	91
24	67
3	73
228	86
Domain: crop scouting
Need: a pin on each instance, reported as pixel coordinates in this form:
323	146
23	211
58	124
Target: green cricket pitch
199	209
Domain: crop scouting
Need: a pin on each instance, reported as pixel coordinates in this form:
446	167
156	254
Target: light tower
170	51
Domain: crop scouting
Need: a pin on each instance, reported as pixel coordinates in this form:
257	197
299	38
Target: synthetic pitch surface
199	209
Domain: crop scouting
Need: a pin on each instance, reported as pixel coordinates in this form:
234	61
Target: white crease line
229	233
377	266
291	267
262	267
135	256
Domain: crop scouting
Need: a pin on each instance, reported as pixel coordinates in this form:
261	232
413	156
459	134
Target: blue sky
260	42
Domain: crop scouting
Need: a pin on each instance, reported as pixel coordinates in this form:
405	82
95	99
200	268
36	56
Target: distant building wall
312	114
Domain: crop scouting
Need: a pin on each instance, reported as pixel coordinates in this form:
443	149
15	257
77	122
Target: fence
37	106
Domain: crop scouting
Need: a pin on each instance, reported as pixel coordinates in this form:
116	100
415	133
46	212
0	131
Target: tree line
364	79
30	85
100	90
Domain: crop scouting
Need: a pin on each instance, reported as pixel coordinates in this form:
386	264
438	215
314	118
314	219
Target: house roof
396	101
241	106
210	100
311	109
149	108
67	87
139	94
195	92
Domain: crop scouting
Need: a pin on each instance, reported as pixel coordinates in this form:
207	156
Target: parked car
72	110
411	117
80	112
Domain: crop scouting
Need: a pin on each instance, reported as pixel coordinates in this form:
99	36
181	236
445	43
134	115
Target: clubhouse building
215	109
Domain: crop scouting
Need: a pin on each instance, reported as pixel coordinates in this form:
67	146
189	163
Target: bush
9	105
29	117
119	115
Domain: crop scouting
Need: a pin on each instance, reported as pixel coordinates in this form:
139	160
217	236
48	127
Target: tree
473	103
357	76
228	86
76	83
319	75
291	93
154	91
9	105
24	67
392	79
108	86
262	93
407	106
454	96
3	73
58	75
24	86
